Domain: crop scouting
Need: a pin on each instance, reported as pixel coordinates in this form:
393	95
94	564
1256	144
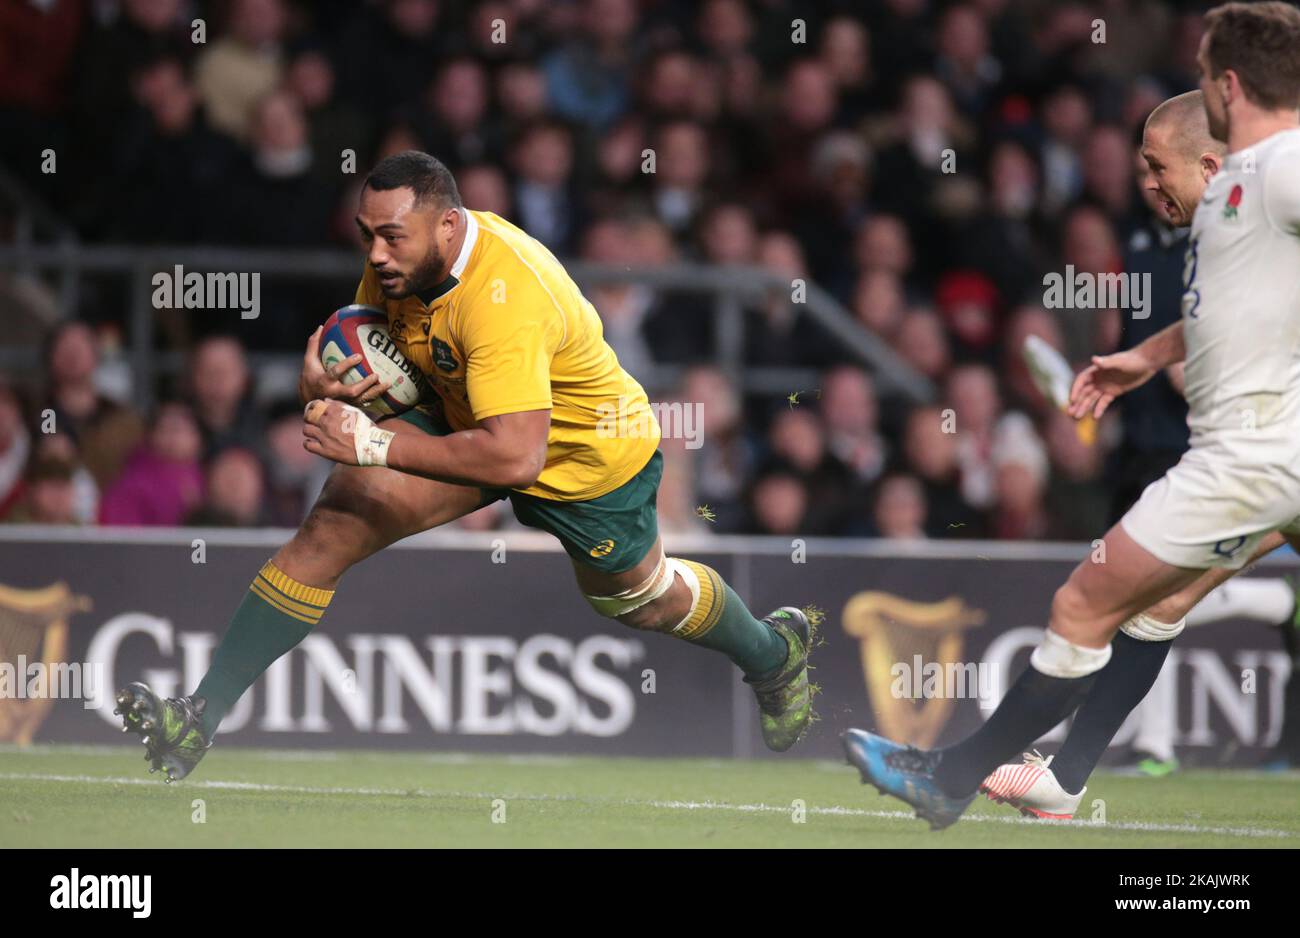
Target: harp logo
33	649
911	662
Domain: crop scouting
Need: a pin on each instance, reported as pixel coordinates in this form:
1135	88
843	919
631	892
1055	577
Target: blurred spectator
233	493
163	480
1077	506
455	126
483	188
969	304
175	168
104	431
724	463
845	51
840	179
1067	121
848	406
1004	240
779	332
964	61
49	494
930	448
623	307
333	124
59	448
521	93
1020	470
223	403
240	68
922	343
587	78
392	47
883	244
1107	172
778	504
798	440
900	508
546	205
681	167
878	302
276	199
972	395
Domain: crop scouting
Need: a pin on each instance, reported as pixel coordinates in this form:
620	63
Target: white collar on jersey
467	246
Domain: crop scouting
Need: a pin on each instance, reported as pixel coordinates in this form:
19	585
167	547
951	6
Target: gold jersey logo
603	549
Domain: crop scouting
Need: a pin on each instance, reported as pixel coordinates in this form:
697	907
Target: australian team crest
442	354
1234	202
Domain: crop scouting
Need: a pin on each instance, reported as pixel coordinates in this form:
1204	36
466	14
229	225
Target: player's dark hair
426	176
1261	43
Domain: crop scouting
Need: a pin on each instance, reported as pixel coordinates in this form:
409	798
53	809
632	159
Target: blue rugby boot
906	773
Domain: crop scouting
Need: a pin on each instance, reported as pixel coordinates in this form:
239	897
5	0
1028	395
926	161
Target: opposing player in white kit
1179	158
1240	343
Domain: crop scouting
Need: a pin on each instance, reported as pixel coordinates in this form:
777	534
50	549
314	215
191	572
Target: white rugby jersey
1241	299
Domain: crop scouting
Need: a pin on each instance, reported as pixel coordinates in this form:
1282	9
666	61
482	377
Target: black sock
1035	703
1133	667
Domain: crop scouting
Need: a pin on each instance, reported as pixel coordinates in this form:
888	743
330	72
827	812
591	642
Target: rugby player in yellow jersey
526	388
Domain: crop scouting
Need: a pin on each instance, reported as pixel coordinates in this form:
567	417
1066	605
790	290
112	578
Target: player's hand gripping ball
344	434
363	330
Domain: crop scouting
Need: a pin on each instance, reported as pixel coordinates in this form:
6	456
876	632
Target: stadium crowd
926	162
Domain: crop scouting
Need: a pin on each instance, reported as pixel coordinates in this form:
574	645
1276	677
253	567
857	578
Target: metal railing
731	289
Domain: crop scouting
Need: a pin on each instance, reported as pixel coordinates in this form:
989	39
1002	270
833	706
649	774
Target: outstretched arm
1109	376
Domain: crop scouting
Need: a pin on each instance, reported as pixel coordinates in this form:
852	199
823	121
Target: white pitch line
835	810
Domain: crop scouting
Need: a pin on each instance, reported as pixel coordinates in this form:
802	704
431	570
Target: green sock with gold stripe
719	620
276	615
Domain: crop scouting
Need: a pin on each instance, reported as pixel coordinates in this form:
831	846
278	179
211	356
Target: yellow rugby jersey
509	331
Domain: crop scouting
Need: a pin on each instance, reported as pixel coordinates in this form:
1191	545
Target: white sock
1265	600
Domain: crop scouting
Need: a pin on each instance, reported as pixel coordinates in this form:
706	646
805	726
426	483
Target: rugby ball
364	329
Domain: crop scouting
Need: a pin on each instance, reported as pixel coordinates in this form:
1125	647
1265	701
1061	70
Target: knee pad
1058	657
654	586
1146	629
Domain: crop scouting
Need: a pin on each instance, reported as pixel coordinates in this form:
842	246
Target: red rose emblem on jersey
1234	200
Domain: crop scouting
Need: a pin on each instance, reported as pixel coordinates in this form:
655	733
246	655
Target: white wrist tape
1146	629
1058	657
371	442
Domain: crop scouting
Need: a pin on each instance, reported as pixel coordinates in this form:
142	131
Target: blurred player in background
533	407
1240	339
1178	157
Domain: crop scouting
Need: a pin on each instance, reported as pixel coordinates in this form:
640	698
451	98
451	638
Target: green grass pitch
104	797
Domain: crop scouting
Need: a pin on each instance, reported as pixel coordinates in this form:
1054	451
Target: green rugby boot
785	698
173	738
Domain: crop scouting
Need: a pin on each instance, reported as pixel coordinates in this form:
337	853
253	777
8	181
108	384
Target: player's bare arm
505	451
1110	376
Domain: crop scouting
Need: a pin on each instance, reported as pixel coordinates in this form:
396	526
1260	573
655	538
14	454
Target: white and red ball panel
364	329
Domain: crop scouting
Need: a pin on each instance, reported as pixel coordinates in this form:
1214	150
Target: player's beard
427	273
